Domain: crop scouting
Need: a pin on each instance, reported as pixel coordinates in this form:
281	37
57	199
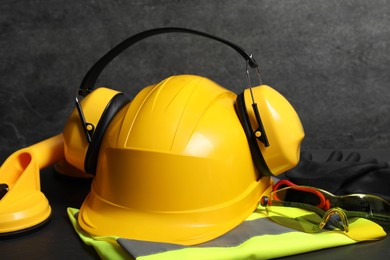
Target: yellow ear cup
282	125
75	141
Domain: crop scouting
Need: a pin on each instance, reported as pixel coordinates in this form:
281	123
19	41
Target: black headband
89	80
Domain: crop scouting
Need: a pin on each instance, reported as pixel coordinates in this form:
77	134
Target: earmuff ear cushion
257	156
112	108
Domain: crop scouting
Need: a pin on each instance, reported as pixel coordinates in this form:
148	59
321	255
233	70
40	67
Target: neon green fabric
106	247
256	238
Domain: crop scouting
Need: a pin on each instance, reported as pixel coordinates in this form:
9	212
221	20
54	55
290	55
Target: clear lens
310	209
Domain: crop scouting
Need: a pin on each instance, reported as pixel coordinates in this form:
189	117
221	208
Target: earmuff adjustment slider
260	133
252	62
87	127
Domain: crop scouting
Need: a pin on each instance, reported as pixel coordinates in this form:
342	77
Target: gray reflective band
238	235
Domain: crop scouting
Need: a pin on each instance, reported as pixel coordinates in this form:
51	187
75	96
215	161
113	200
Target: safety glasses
312	210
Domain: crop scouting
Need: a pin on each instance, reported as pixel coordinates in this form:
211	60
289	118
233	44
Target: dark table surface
58	240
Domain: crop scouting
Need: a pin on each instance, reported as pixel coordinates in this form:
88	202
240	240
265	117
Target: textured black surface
331	59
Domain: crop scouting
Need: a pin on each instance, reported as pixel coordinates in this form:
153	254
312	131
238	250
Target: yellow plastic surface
282	125
174	166
75	141
24	205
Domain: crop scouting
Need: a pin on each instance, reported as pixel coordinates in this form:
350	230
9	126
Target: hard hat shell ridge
174	166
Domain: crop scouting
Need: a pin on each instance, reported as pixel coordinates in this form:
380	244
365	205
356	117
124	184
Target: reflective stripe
266	240
240	234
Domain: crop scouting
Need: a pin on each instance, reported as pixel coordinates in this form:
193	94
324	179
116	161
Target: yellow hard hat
174	166
185	161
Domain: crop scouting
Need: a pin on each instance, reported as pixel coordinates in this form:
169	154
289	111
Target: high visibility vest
257	237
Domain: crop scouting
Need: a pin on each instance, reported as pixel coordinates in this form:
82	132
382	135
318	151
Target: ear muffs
275	138
87	125
258	158
112	108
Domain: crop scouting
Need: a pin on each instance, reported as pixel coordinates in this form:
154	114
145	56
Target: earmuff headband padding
89	80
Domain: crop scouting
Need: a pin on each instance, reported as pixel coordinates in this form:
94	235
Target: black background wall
330	58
